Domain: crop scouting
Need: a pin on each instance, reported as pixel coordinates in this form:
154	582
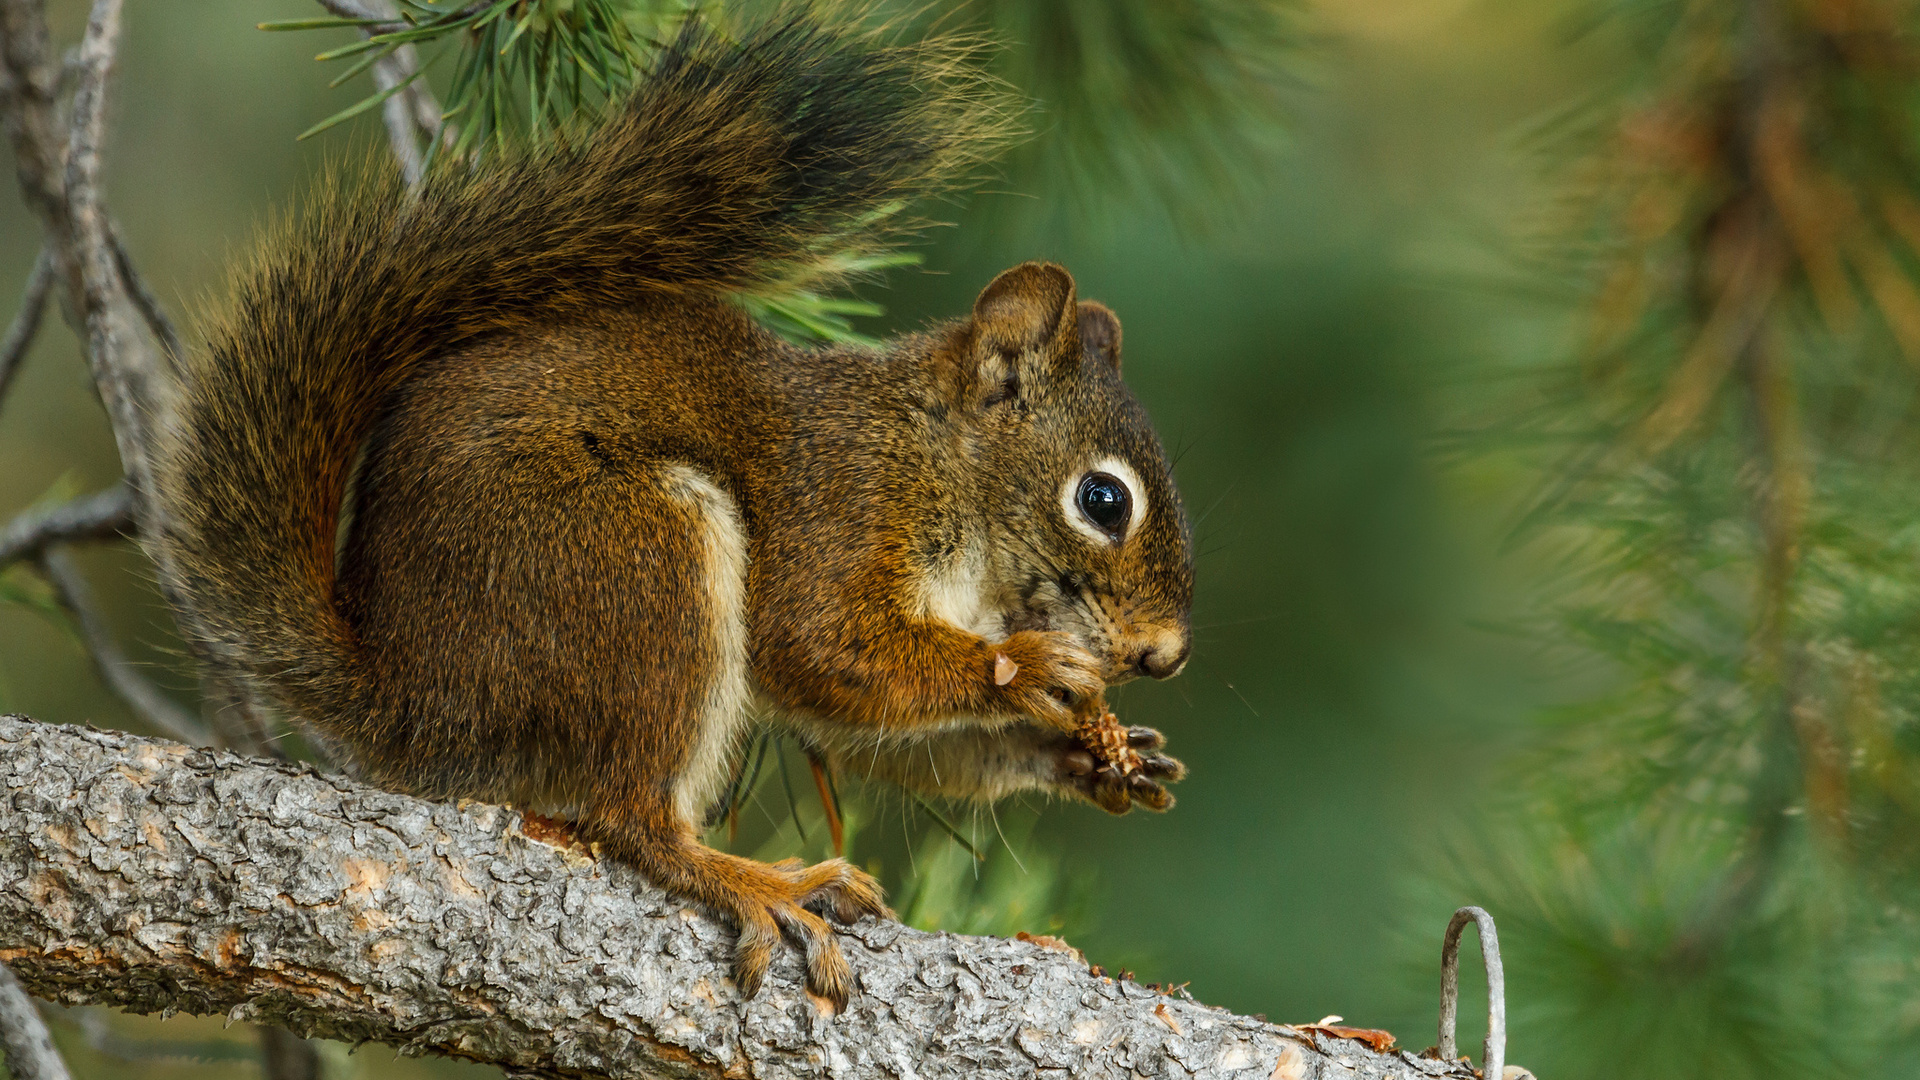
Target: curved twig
26	322
122	386
147	701
99	516
23	1035
1493	1055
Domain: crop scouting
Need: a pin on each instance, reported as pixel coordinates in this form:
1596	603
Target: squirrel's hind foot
782	901
765	903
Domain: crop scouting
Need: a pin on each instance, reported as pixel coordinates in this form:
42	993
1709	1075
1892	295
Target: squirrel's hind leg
653	825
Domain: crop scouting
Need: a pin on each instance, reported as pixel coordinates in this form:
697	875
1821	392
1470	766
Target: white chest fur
956	592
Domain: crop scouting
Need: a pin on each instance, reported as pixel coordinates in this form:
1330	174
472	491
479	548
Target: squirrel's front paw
1046	675
1115	773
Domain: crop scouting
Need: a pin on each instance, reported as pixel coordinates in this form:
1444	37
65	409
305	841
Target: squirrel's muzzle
1156	652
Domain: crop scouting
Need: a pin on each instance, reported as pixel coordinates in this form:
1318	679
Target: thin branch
147	304
29	1049
100	516
155	877
412	115
397	112
26	322
286	1056
426	107
122	385
146	700
29	89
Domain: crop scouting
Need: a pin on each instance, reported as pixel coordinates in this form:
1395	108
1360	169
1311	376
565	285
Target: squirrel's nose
1163	661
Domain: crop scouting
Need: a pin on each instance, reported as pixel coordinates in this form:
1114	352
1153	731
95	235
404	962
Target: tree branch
26	322
98	516
145	874
23	1035
125	384
29	90
147	304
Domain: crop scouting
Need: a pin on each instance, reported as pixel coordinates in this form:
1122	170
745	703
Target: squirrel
494	486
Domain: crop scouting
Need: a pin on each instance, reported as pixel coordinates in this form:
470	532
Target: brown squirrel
495	486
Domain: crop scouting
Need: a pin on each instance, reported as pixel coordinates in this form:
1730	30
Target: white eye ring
1136	503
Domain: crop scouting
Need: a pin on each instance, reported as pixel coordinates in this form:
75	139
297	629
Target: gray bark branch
149	875
20	333
28	1048
98	516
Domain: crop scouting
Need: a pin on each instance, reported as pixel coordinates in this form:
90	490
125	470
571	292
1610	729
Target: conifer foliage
1718	872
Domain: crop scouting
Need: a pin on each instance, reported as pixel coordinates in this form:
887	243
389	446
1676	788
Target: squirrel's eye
1106	502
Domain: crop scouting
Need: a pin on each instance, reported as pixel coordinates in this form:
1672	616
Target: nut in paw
1115	767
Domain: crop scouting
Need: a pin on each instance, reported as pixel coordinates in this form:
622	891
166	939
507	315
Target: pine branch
143	874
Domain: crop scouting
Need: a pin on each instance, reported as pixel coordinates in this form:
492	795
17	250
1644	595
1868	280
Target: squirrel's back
738	164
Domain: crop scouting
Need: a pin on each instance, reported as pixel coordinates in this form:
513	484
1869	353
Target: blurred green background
1320	293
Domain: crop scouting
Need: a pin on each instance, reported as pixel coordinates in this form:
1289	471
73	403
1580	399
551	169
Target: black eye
1106	502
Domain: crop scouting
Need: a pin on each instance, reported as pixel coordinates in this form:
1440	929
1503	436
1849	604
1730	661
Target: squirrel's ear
1024	308
1100	332
1019	313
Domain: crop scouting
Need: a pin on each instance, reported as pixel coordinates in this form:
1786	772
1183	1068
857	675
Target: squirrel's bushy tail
739	162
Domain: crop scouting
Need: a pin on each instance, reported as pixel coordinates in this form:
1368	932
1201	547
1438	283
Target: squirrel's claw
835	888
1145	738
1117	786
1163	768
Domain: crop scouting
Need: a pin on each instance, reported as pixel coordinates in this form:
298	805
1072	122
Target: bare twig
123	385
397	111
26	323
426	107
99	516
412	115
145	699
29	90
29	1049
1493	1054
147	304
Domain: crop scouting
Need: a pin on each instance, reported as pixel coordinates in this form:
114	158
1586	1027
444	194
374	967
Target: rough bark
162	878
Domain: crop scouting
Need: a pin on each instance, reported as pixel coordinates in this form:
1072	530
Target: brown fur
596	507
